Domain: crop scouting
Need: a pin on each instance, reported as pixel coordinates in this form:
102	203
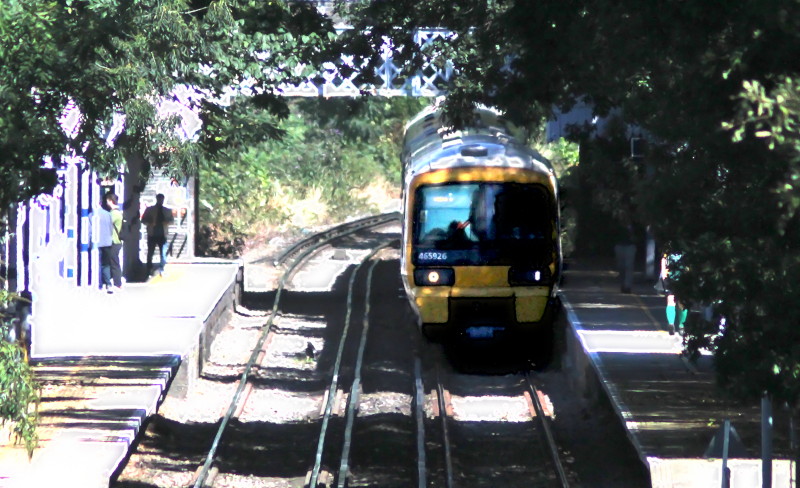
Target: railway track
525	450
387	415
355	385
316	241
299	253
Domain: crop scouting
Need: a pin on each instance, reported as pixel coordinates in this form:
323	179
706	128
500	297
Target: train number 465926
432	256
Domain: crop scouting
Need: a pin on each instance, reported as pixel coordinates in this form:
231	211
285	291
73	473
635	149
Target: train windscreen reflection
498	221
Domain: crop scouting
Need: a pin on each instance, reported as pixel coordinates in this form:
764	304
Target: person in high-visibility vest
110	242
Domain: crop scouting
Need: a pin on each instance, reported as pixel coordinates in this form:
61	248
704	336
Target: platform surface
105	362
669	405
161	316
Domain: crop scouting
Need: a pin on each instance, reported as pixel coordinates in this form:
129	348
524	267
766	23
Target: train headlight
529	276
434	276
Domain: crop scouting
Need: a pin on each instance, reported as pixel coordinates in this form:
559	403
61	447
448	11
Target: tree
115	58
118	60
715	85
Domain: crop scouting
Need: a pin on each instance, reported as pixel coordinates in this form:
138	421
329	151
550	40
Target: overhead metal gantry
430	81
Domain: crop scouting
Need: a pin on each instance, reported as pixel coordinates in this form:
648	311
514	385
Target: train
481	252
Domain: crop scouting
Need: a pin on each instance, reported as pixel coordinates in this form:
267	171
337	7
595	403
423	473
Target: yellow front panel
500	292
532	291
433	309
530	308
481	276
495	292
431	291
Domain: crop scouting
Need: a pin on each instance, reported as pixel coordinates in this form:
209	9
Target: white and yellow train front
481	253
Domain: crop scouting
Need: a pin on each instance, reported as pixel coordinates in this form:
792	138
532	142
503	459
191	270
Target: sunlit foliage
332	152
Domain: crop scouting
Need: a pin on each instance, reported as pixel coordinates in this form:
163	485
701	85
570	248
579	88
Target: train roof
488	141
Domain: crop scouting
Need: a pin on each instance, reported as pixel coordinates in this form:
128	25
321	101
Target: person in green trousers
676	311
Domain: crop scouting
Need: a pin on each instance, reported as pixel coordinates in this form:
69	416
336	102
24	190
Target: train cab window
484	222
516	218
443	216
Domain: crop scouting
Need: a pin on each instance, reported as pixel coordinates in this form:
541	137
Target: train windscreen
483	224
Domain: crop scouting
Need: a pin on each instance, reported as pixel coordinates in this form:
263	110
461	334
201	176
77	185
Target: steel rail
336	232
419	405
548	433
334	384
355	388
448	460
265	329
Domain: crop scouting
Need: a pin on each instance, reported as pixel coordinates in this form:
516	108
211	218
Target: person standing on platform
676	312
110	243
157	218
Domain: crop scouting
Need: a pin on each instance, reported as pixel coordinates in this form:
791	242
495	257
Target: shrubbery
19	392
334	155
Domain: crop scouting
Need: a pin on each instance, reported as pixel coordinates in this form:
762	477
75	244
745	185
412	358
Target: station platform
618	347
106	361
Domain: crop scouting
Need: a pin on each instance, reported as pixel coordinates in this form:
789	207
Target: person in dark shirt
157	218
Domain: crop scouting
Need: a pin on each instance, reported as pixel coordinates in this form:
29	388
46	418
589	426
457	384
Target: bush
19	392
335	155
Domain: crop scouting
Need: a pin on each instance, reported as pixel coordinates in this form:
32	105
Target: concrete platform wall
218	316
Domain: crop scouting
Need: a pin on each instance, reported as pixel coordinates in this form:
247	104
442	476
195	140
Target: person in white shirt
110	242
